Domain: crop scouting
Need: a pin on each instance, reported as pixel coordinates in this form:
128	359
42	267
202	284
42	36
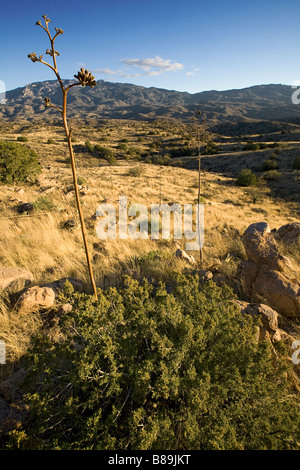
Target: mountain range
110	100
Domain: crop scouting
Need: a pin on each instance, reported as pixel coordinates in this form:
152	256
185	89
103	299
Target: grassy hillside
149	162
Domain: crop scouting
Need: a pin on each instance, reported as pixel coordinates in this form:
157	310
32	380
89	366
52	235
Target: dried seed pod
86	78
47	102
47	20
33	57
49	52
59	31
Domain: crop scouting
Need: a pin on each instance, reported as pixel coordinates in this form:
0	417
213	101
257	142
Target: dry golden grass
38	242
40	245
16	332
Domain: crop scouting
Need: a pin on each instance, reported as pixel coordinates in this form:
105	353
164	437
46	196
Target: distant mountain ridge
110	100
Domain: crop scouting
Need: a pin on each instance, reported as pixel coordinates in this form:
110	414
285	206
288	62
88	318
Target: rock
70	224
262	248
183	255
289	233
58	285
9	387
65	308
12	416
25	207
205	275
247	271
36	297
19	191
270	317
13	280
285	337
278	291
47	189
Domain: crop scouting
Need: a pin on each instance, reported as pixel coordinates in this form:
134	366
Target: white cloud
151	67
161	65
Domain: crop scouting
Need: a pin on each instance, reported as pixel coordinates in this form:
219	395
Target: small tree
84	78
246	178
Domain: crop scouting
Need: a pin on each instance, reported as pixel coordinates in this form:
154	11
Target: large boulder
278	290
14	280
262	248
267	276
289	233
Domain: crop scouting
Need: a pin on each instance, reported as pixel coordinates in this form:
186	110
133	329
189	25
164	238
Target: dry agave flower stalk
84	78
201	134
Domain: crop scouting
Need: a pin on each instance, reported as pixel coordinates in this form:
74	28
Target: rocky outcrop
271	321
281	293
262	248
266	274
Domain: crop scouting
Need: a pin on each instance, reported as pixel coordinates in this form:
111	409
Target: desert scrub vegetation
270	164
144	368
22	138
18	163
246	178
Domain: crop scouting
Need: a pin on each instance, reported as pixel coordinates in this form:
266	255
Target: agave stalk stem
74	174
84	79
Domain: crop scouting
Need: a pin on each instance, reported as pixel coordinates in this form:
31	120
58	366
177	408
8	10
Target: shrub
143	368
81	180
269	165
22	138
103	152
246	178
18	163
272	175
296	163
43	204
160	160
89	146
122	146
111	160
211	148
183	151
135	171
251	146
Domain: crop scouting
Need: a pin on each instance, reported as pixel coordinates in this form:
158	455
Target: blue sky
185	45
